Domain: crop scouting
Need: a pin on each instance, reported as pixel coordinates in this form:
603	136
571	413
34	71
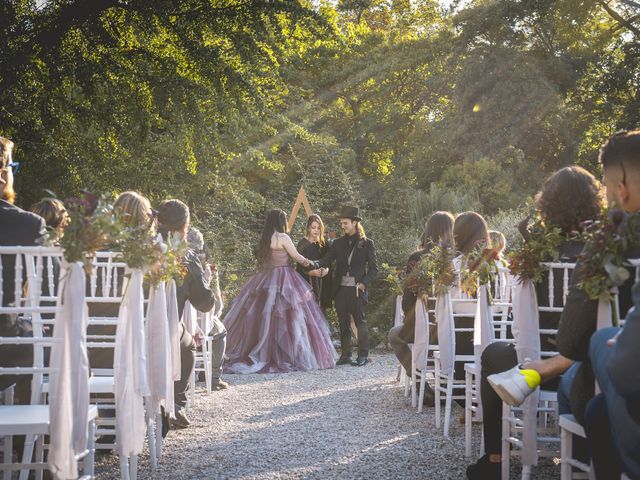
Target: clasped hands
314	269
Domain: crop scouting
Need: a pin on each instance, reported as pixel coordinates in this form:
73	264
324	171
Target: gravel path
347	422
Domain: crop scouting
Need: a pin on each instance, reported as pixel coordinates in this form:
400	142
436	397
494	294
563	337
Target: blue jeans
564	389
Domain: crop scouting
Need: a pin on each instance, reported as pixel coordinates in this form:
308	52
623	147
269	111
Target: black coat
17	228
364	267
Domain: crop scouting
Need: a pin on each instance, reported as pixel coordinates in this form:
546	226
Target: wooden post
301	199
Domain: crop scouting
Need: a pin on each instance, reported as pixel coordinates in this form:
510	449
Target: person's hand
324	271
612	341
523	227
197	338
361	286
314	273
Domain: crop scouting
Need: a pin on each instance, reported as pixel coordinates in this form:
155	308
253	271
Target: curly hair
568	197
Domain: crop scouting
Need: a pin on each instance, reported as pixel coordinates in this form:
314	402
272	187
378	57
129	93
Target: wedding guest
620	158
612	418
356	267
133	210
585	193
174	217
218	331
438	231
54	214
313	246
19	228
498	242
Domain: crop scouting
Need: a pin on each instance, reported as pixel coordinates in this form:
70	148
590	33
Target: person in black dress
313	246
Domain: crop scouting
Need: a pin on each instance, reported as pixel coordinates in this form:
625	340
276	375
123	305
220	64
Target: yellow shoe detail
532	378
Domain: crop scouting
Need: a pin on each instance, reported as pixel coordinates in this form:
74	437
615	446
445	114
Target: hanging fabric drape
159	367
130	369
174	327
483	332
190	318
421	334
398	318
526	332
69	377
446	333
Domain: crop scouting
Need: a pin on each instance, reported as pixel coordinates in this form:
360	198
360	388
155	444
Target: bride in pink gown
274	323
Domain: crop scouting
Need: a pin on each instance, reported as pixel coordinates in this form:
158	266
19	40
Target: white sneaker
514	385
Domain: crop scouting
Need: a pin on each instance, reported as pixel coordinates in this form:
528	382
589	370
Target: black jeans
497	357
188	362
349	305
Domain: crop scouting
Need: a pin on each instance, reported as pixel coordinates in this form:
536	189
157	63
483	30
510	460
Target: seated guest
19	228
173	217
133	210
218	331
438	231
54	214
585	193
498	242
612	419
620	157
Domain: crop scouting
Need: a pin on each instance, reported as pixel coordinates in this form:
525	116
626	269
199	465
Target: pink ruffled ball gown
274	324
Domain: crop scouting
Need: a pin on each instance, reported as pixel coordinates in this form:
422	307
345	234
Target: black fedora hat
350	212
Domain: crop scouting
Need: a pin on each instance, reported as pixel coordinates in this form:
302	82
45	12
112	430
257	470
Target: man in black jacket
356	268
173	217
17	227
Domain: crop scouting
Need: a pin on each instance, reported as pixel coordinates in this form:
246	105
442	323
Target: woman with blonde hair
54	214
313	246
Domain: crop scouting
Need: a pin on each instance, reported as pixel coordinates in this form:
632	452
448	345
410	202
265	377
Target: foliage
604	258
91	226
434	274
394	278
479	267
167	259
506	221
525	261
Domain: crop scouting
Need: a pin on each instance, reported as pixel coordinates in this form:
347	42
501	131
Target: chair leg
414	400
8	457
124	468
192	391
423	383
566	453
506	432
151	435
89	460
27	454
447	405
39	456
159	435
133	467
407	382
467	413
206	355
438	386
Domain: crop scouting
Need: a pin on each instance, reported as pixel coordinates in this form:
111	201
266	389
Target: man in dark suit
356	268
17	227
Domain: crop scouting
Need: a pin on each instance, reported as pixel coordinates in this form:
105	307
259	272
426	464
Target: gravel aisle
348	422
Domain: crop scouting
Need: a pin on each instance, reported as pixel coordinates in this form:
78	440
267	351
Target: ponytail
361	234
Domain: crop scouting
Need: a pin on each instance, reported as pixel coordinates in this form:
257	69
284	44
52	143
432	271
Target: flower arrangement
433	274
91	226
525	261
394	278
480	268
608	241
167	259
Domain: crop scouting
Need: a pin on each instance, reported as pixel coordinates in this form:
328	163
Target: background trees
399	106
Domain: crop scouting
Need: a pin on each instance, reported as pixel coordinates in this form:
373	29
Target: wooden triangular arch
301	199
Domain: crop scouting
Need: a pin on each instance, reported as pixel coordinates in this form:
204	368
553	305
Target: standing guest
218	331
585	194
173	217
356	267
438	232
17	228
313	246
54	214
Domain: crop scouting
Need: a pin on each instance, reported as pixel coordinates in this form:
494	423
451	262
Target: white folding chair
516	432
32	267
501	305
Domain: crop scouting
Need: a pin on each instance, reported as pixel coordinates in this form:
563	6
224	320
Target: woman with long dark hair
275	324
